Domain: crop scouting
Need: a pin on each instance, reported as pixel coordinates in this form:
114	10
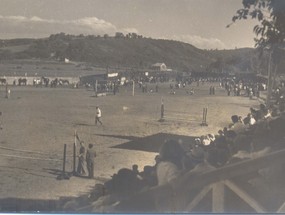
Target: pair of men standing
90	155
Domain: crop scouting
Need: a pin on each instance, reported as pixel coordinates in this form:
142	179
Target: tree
270	32
134	35
119	35
271	15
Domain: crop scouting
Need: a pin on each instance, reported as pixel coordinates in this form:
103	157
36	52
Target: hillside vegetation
131	52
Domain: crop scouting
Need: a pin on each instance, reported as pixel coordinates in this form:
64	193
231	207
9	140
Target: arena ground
37	122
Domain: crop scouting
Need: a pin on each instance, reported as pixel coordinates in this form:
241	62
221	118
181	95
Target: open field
52	68
37	122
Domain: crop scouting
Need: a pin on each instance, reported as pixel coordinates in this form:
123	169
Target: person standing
171	156
7	96
98	116
81	169
90	157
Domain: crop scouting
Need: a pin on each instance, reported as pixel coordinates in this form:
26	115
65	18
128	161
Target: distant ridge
138	52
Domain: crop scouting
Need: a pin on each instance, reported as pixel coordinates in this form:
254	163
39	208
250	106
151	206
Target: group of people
238	87
86	160
86	156
171	162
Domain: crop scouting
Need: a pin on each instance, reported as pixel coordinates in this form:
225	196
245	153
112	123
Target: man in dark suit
90	157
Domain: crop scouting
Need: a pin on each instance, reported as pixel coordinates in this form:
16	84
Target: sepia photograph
142	106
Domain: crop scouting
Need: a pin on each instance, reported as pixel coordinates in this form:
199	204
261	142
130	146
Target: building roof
158	64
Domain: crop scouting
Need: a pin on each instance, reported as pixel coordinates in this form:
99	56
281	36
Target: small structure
160	67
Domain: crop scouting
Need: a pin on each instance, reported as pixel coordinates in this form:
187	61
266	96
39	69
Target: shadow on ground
149	144
152	143
133	138
83	124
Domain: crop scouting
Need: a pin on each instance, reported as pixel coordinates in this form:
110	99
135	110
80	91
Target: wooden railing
176	197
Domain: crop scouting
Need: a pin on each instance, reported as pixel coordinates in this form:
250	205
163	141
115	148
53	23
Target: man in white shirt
98	116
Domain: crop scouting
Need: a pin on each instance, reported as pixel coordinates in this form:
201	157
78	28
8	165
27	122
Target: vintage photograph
142	106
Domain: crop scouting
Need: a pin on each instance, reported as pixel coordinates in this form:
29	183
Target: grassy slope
112	52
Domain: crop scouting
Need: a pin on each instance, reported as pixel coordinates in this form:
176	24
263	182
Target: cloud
201	42
35	27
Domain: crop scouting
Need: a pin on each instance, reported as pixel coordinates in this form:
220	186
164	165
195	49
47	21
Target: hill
135	52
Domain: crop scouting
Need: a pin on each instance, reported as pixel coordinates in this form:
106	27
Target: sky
201	23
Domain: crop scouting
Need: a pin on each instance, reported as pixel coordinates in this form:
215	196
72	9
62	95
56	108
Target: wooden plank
198	198
245	197
218	197
282	208
190	181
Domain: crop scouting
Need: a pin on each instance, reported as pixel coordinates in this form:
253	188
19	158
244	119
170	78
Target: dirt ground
37	122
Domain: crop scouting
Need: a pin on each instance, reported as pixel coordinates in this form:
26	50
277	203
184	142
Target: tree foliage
271	17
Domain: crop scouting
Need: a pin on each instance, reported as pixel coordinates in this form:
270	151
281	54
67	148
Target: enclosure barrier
175	116
204	120
174	197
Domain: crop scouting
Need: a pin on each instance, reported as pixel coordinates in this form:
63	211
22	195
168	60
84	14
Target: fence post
133	88
64	159
74	158
204	120
63	175
161	111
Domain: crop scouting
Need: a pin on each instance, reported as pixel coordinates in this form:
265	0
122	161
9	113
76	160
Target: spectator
90	157
252	120
135	169
171	165
81	168
200	156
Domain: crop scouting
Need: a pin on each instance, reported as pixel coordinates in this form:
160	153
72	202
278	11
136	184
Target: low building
160	67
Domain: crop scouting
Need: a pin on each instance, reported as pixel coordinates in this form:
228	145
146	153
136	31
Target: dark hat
198	153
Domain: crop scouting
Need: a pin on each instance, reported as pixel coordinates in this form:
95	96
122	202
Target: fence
174	197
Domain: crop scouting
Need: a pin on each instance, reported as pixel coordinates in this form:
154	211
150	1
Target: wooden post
269	81
74	152
63	175
74	158
96	87
133	88
218	198
161	111
64	159
204	120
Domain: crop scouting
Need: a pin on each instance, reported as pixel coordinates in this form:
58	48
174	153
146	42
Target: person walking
98	116
81	168
90	157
